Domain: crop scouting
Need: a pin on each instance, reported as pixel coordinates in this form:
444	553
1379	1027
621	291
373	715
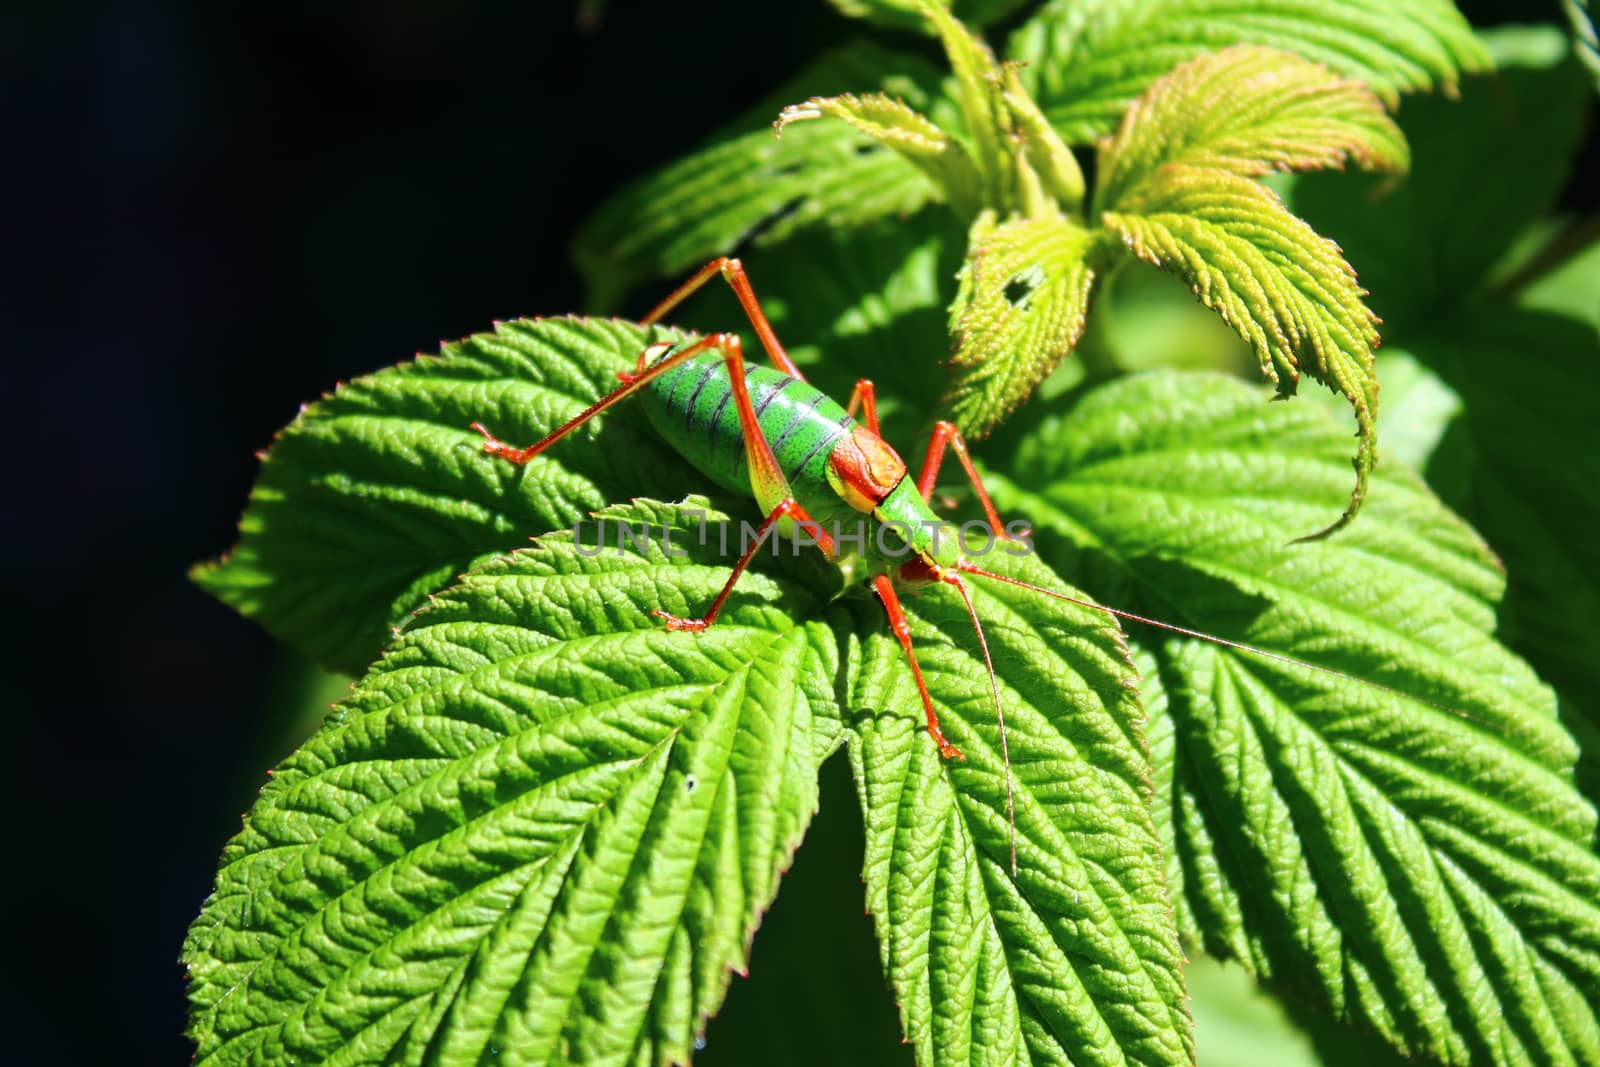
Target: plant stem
1570	240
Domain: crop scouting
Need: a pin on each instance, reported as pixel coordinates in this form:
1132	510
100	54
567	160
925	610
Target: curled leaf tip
1366	458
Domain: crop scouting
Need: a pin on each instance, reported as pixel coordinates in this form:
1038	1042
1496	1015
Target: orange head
864	469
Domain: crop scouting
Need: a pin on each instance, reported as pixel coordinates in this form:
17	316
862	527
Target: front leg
946	436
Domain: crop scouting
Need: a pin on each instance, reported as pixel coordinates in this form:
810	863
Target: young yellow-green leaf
1248	110
1006	156
980	94
745	182
543	829
894	125
1089	58
1400	843
1024	294
1282	287
379	493
1043	152
1074	960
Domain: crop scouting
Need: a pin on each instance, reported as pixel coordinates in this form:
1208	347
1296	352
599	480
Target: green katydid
811	465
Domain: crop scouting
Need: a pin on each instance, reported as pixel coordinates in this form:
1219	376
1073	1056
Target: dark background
214	212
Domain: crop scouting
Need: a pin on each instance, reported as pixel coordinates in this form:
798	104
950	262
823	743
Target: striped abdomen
692	407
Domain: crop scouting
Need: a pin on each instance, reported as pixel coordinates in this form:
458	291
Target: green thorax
906	516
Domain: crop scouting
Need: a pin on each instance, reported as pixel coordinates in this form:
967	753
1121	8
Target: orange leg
732	272
726	343
766	476
902	632
864	396
787	508
946	436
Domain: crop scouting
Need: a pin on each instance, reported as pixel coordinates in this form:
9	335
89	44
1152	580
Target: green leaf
1088	60
980	95
747	183
1569	287
907	14
379	494
1024	295
1075	959
1532	485
542	828
1483	168
1418	409
496	847
894	125
1400	842
1238	1023
1248	111
1286	290
1520	350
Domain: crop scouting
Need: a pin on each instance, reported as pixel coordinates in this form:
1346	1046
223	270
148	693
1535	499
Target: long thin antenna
1278	657
999	715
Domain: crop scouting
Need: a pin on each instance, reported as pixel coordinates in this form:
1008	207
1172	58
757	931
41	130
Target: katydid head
863	469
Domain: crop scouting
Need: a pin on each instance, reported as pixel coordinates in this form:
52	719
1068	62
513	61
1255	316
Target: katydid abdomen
692	407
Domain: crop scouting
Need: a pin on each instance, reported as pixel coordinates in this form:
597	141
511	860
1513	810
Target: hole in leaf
1020	288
